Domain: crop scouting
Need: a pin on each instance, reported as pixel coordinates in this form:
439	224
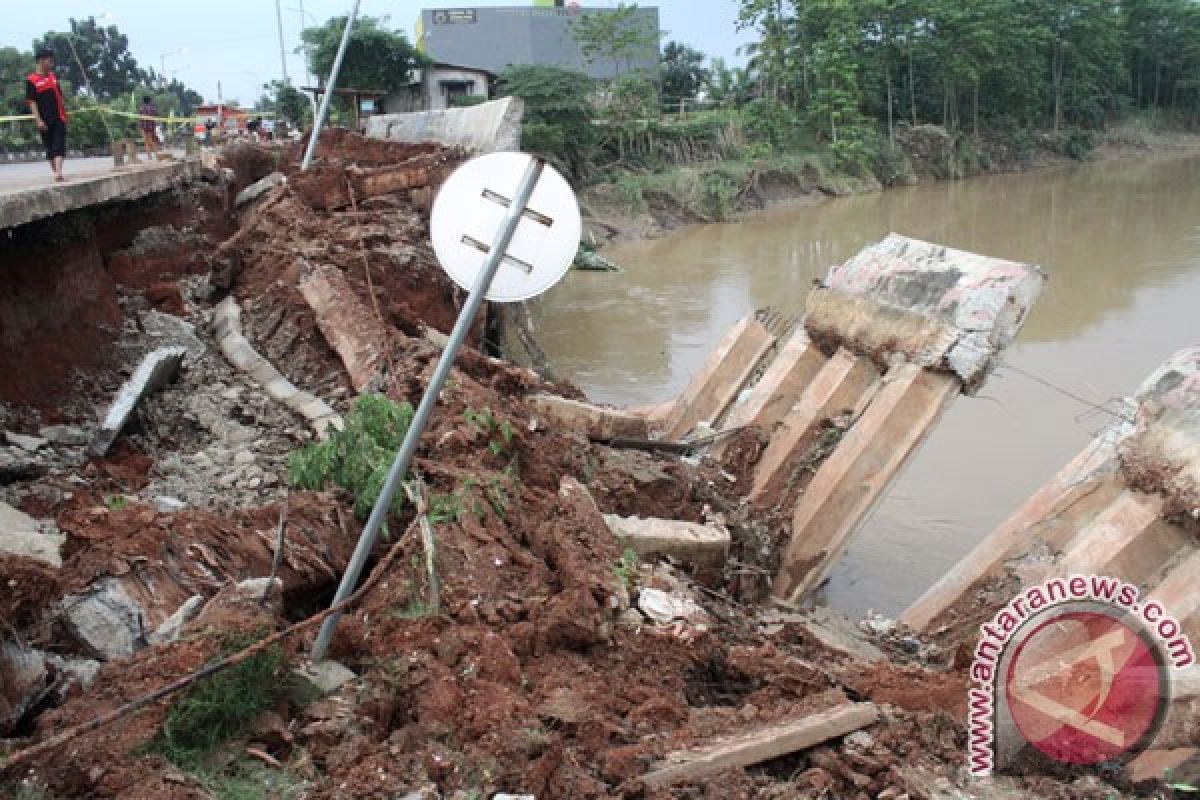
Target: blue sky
236	42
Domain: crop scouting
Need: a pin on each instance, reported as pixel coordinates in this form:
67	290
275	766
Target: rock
168	505
169	330
172	626
106	620
326	676
664	607
631	619
21	535
692	543
503	796
65	435
30	444
243	458
860	740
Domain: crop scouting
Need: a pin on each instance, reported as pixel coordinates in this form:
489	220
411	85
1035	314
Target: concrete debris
664	607
259	188
939	307
352	330
30	444
757	746
242	355
105	621
168	505
168	330
22	535
688	542
172	627
65	435
597	423
489	127
326	676
155	371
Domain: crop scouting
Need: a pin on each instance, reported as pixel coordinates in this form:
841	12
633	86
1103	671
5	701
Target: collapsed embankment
528	659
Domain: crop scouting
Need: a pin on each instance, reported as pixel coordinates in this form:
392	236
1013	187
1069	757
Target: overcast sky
236	41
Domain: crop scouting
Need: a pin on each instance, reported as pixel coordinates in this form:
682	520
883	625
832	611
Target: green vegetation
222	706
619	37
626	569
558	114
377	58
356	458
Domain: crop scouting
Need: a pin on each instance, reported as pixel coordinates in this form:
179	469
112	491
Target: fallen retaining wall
485	128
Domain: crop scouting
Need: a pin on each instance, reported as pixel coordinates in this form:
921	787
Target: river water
1120	241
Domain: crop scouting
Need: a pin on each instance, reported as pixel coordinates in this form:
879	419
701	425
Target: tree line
854	64
95	67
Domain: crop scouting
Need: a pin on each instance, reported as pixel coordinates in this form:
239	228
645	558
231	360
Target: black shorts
54	139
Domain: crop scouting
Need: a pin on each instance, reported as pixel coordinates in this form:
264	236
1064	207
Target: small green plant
626	569
222	706
499	431
445	508
116	502
358	457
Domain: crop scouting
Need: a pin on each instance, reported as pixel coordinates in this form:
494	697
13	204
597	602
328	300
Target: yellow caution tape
130	115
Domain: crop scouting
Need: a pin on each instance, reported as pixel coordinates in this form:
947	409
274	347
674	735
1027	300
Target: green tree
289	102
620	35
377	58
730	87
682	72
111	70
558	114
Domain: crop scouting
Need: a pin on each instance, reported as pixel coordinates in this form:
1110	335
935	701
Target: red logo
1085	687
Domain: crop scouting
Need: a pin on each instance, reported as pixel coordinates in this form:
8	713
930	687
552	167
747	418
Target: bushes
558	114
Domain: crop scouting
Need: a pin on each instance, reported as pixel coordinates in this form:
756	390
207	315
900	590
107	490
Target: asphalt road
37	174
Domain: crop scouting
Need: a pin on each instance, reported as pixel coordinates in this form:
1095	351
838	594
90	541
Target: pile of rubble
588	628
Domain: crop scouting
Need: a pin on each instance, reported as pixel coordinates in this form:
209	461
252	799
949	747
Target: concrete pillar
852	480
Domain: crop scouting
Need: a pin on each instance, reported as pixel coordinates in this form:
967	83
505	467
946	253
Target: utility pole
282	48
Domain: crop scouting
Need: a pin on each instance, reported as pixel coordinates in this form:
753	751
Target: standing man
46	103
146	111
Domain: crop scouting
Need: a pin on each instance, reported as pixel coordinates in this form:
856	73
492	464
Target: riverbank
646	205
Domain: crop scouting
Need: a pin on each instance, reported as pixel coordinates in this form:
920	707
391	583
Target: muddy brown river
1119	240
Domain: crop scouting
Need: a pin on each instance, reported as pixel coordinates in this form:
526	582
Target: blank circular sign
467	215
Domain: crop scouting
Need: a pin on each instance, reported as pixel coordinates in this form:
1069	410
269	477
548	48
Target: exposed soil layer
526	667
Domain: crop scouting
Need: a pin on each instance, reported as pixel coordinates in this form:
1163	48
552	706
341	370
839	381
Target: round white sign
469	209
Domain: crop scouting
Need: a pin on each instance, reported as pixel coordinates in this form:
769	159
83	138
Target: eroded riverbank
1118	239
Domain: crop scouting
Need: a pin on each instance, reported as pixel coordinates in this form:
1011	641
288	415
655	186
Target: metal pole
329	87
408	449
282	49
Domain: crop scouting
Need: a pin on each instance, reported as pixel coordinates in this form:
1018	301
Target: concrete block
22	535
941	308
485	128
30	444
105	620
756	746
259	188
155	371
689	542
853	479
172	626
595	422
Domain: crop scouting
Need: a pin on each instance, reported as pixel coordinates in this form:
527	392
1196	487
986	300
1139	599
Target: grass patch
222	706
250	780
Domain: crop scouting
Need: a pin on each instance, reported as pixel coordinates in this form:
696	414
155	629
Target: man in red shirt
46	102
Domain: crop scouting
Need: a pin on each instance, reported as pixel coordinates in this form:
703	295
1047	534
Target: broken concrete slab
688	542
938	307
22	535
759	745
259	188
30	444
489	127
156	370
352	330
172	626
65	435
854	477
598	423
239	352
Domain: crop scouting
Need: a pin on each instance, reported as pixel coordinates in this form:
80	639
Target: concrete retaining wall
485	128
